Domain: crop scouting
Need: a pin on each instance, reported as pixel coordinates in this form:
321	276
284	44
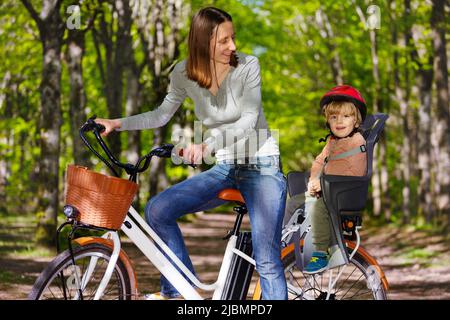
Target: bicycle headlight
70	212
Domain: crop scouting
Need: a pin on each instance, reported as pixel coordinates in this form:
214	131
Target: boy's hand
314	187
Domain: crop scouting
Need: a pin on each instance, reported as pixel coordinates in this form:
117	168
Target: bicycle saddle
231	195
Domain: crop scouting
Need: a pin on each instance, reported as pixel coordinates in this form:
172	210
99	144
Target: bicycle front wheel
358	281
61	280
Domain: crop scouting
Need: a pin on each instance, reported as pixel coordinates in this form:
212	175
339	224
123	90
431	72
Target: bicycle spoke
307	280
292	278
354	283
364	293
53	295
343	282
316	282
321	283
97	268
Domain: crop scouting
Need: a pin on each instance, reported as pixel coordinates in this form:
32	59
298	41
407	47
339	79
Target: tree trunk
405	165
438	25
377	184
132	104
51	31
77	103
425	123
5	134
328	35
112	67
133	101
379	174
424	82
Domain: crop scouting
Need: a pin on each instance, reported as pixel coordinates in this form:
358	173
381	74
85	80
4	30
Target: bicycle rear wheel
359	281
49	284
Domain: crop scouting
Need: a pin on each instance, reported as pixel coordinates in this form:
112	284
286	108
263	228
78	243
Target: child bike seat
346	195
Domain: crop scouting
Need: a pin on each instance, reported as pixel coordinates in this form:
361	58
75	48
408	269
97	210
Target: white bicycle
96	267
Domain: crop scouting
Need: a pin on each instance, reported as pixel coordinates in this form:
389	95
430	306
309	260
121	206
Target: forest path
416	263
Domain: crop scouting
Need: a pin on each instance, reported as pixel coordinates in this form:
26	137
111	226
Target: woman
226	89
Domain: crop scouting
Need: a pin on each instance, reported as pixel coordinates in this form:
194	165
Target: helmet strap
331	134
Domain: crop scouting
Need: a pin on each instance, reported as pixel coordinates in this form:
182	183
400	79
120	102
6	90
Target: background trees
116	62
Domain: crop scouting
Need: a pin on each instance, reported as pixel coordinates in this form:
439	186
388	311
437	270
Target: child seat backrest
348	194
371	131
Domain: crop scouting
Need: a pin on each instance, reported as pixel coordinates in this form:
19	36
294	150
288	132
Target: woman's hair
336	107
202	27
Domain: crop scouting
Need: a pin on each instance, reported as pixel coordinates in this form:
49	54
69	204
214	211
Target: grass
8	277
420	256
23	250
17	237
421	246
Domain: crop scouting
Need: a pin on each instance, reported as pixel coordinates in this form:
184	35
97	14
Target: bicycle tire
50	280
314	287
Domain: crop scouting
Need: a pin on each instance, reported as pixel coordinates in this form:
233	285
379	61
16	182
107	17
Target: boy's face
342	123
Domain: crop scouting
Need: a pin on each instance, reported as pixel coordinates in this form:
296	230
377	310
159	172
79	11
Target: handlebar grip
180	154
91	125
100	128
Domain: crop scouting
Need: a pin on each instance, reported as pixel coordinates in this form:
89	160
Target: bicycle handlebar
164	151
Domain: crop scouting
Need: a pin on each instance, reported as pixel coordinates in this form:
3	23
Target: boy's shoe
318	263
160	296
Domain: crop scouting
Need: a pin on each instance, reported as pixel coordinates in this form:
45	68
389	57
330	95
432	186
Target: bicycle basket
102	201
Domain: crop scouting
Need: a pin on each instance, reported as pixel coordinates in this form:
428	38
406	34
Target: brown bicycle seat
231	195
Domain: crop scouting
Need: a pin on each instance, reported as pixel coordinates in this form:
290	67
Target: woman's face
223	41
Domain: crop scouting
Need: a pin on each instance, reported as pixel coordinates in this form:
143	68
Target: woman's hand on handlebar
109	124
193	153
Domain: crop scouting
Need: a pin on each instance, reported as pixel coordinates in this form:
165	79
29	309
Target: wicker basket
102	201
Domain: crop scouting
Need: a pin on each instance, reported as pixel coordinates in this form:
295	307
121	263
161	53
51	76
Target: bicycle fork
81	284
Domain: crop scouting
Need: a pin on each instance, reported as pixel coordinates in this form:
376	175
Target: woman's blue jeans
263	187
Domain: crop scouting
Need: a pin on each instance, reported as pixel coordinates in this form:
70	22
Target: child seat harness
361	149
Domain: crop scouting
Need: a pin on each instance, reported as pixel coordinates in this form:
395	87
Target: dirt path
416	264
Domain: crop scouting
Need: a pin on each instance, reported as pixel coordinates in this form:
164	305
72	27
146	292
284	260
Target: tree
438	25
51	31
111	34
401	96
423	63
74	54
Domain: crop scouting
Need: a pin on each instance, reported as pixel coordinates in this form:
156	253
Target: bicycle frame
154	248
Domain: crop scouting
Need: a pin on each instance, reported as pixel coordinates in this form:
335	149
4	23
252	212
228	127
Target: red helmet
345	93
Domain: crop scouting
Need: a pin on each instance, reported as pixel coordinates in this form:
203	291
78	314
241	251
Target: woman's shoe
160	296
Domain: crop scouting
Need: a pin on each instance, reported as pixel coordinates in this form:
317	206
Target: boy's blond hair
336	107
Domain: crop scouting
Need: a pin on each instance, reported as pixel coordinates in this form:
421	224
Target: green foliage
295	58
